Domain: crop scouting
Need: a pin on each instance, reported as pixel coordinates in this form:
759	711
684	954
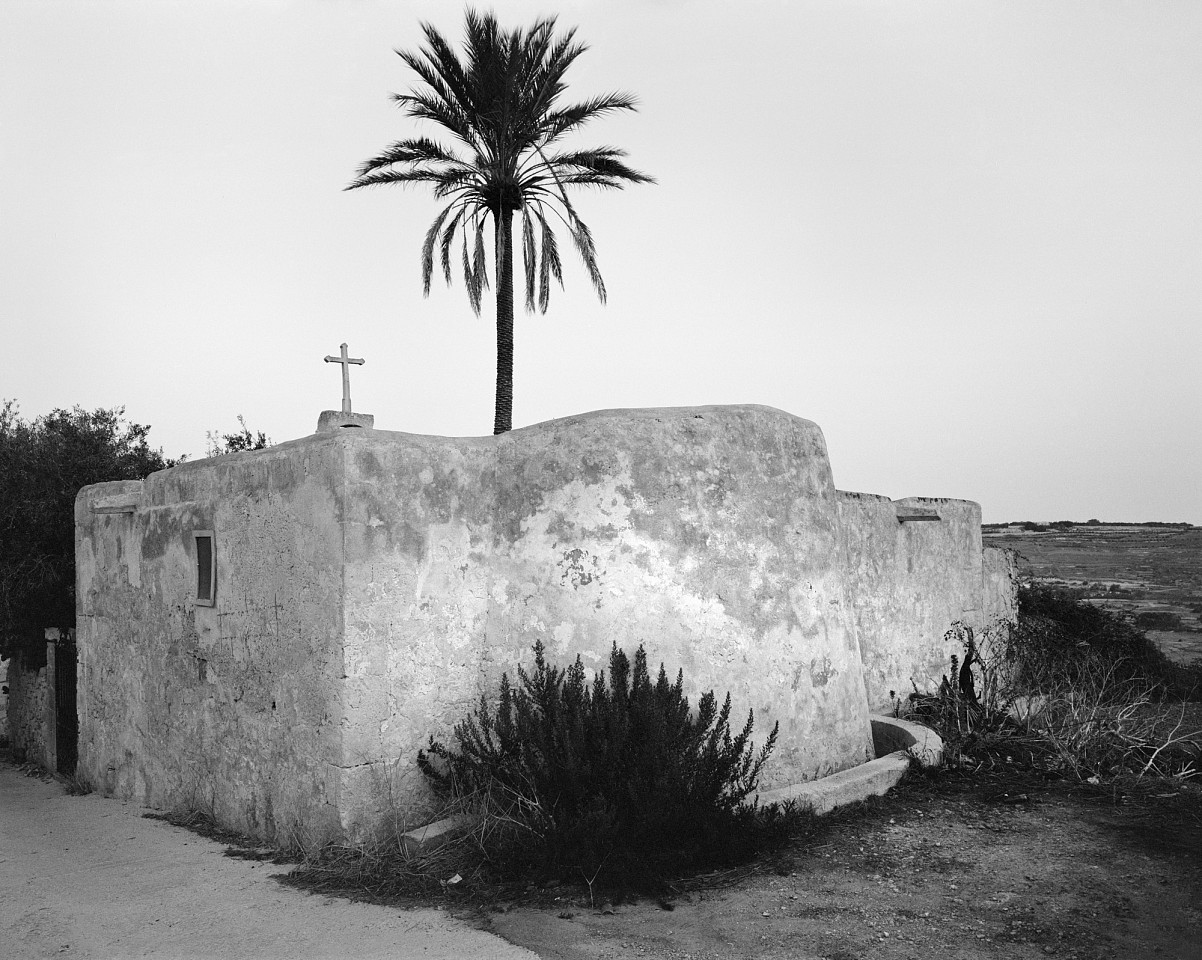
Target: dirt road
88	877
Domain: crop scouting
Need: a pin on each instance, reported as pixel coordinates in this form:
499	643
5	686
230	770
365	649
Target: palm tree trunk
503	419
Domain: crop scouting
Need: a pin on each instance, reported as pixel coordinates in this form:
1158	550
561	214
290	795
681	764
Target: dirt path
939	871
928	874
86	877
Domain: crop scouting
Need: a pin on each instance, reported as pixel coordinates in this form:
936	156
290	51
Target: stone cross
346	377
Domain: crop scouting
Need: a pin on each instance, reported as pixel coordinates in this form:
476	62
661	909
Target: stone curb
890	734
896	743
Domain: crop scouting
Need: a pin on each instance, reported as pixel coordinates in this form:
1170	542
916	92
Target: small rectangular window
206	568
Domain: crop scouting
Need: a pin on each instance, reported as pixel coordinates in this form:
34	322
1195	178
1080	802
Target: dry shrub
1071	689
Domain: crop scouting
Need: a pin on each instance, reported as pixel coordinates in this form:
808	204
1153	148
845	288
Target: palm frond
551	265
561	122
417	175
583	239
417	151
439	77
546	64
474	290
528	257
446	64
423	106
428	247
448	237
463	186
602	161
479	261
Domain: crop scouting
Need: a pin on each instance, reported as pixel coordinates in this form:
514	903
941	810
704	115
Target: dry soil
961	867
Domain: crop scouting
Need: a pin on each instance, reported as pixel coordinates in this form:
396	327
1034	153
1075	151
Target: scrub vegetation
1071	689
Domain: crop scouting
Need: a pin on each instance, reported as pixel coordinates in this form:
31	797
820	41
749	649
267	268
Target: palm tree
500	102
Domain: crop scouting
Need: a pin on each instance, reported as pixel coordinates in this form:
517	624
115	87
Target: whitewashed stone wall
371	584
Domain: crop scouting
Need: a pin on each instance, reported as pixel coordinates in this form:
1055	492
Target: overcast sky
965	238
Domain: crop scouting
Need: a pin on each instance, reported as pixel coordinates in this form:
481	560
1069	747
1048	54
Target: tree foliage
501	102
43	465
240	440
618	778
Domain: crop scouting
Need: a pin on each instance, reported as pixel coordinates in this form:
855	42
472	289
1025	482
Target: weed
78	784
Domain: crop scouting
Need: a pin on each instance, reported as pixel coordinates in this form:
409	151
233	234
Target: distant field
1152	574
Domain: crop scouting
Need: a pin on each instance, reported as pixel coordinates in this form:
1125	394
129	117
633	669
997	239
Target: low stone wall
30	730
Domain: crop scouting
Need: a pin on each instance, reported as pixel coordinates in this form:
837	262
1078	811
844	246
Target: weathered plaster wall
29	729
708	535
371	585
230	708
908	583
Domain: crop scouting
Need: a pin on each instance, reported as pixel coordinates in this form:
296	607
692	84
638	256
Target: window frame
211	599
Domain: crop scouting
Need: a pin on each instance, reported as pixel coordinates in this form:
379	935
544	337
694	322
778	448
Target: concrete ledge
896	742
871	779
890	734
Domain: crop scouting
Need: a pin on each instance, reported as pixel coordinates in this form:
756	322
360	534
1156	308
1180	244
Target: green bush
613	782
